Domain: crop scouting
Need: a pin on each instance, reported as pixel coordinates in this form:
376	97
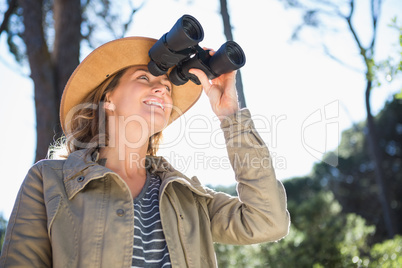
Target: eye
143	77
168	88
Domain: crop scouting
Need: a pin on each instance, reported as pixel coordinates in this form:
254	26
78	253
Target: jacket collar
168	174
81	167
76	163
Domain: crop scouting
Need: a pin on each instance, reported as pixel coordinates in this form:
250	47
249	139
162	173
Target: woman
112	202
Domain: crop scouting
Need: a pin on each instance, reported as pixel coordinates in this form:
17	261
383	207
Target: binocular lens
187	32
229	57
192	29
235	54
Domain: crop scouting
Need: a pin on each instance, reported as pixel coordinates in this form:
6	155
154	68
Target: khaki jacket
77	213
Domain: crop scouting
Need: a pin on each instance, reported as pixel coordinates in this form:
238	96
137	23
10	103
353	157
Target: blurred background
322	81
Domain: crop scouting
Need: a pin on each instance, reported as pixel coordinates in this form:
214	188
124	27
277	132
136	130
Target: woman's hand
221	92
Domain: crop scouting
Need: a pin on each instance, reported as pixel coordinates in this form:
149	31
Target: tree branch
11	7
130	20
331	56
352	29
375	11
226	20
229	36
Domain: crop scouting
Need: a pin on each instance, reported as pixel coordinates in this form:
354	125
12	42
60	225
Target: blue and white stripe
150	249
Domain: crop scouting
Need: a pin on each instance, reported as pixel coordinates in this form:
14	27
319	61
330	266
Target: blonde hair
87	129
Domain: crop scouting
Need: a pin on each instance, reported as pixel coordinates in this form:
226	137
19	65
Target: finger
230	76
213	93
210	50
202	77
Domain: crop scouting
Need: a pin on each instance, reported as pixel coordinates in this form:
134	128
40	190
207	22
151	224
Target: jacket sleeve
26	241
259	213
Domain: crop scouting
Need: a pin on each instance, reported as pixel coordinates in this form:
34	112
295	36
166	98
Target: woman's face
141	98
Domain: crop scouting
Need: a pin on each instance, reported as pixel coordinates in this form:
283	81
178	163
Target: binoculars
179	48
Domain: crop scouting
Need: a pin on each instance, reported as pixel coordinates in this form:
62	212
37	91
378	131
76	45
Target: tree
323	237
52	31
392	66
386	254
321	234
321	14
336	221
227	28
353	181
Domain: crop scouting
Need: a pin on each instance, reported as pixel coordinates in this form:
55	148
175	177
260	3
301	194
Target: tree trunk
375	151
227	28
376	156
66	49
50	71
42	74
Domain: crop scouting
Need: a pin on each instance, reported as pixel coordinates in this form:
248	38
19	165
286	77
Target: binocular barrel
179	48
187	32
175	45
229	57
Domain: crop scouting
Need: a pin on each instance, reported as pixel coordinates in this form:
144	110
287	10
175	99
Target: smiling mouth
155	103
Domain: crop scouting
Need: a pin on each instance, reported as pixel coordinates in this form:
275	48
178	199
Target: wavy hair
87	128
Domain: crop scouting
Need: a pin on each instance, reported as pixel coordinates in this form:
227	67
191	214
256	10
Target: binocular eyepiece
179	48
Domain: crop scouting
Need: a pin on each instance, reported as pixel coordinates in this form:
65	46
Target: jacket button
80	178
120	212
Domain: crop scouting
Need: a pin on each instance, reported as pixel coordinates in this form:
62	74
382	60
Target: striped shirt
150	249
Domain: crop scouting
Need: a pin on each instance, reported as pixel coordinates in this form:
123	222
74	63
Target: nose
159	89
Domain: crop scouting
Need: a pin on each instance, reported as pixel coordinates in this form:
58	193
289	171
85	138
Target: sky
300	99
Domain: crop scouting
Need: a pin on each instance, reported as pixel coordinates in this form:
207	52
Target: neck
126	156
131	161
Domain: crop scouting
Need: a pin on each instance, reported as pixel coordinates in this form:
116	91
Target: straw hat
111	58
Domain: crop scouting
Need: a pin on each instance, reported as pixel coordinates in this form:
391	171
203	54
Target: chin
159	124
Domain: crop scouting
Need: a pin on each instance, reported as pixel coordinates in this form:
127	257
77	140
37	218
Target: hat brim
110	58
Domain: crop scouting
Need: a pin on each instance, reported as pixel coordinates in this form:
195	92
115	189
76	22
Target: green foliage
392	67
399	95
320	236
230	256
353	181
337	246
336	216
387	254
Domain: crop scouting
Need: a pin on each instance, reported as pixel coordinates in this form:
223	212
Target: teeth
155	103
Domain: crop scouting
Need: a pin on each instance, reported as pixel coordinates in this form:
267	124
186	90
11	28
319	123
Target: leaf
399	95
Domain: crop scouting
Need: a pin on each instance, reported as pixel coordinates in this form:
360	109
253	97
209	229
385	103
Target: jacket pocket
52	207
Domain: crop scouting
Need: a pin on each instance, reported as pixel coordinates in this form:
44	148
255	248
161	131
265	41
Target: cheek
168	112
170	106
127	101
